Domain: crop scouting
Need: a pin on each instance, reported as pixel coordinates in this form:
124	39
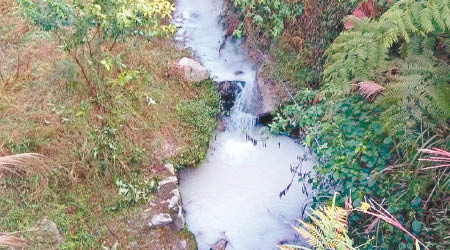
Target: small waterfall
235	192
247	105
200	29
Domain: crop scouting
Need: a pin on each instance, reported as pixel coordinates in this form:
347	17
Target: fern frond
328	228
357	53
426	20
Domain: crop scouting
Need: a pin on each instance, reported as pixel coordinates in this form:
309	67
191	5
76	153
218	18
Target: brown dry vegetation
11	241
45	108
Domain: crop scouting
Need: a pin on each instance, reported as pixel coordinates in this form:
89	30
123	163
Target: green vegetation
88	86
329	228
200	117
268	15
373	97
93	29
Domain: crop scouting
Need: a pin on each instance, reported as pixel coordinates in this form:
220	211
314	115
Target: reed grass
25	164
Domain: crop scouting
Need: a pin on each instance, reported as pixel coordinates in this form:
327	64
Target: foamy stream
234	193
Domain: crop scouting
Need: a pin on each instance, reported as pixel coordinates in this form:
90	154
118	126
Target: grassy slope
44	108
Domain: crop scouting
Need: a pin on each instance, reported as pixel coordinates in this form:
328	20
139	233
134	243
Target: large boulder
190	70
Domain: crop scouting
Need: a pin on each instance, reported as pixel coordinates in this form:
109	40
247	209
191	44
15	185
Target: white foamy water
234	193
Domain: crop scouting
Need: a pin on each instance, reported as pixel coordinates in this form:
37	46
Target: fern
328	228
417	99
405	38
357	53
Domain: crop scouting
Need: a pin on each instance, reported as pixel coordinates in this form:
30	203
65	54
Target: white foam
235	193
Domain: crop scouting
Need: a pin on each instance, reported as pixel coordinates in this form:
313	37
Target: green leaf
416	202
336	176
416	226
387	141
357	203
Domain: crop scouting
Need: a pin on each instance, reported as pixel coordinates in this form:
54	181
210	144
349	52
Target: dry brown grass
10	241
369	90
440	157
25	164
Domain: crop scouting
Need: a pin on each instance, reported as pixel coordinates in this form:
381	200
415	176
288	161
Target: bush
90	30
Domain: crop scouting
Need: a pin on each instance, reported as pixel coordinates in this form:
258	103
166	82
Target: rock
174	201
159	220
366	9
222	125
231	24
265	118
170	179
220	245
49	232
179	221
48	226
170	168
228	91
272	94
176	193
182	245
191	70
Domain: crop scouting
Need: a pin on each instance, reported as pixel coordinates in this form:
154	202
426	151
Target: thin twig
289	93
432	191
93	91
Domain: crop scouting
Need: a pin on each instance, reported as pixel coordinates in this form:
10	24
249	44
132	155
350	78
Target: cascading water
234	193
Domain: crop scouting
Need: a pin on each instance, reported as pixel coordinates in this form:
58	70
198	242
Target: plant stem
93	90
